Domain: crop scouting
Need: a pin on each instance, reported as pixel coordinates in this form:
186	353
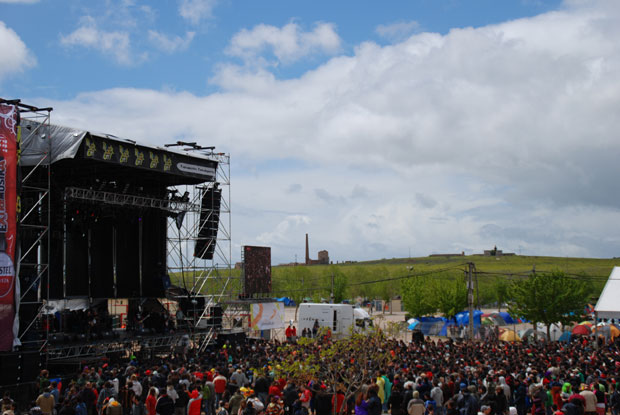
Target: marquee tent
608	305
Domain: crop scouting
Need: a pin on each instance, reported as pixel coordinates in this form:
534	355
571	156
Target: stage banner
9	117
136	156
265	316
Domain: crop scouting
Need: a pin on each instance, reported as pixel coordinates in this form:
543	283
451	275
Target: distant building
323	256
497	252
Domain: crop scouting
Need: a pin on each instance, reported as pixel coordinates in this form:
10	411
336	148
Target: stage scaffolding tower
208	280
33	248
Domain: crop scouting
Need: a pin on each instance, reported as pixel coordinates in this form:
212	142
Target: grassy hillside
383	278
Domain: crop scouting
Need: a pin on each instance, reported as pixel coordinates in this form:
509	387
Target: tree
293	283
450	297
549	298
500	292
340	284
417	297
387	291
346	363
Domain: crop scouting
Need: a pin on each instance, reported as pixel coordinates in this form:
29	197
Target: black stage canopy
94	153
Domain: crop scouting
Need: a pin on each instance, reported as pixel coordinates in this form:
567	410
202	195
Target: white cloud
288	43
171	44
196	10
502	135
19	1
398	31
14	55
116	44
283	233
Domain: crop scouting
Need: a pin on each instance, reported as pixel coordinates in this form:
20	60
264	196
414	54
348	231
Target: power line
512	275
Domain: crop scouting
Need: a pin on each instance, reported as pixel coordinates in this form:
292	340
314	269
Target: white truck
341	319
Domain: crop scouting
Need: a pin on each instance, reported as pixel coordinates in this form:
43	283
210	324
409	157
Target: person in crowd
151	401
46	402
395	401
165	404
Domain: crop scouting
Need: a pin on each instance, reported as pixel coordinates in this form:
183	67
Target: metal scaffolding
32	254
210	279
133	344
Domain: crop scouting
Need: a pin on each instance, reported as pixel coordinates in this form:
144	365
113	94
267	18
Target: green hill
383	278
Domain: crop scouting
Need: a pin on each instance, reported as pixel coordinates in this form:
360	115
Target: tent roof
608	305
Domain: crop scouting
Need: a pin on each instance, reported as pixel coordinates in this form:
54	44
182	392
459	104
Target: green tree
386	290
501	290
417	297
360	275
549	298
347	363
450	296
340	284
293	282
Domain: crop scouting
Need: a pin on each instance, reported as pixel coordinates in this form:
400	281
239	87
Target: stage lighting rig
181	143
191	146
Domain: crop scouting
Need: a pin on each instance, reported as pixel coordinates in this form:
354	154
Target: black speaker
11	369
31	365
209	222
215	316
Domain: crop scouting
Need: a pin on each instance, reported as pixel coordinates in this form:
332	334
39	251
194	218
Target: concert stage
103	218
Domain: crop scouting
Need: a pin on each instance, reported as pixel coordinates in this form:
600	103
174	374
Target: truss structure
210	279
129	345
32	265
122	199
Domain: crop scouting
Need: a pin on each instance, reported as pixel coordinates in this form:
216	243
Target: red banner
8	221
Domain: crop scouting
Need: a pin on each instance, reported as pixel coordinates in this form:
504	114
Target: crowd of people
426	377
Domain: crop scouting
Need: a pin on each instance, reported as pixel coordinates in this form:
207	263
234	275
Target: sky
381	129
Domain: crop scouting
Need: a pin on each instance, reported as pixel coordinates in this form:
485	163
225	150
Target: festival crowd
427	377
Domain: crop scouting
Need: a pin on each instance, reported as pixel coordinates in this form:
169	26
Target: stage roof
608	305
66	143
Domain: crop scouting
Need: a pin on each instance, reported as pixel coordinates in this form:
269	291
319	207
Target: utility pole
470	299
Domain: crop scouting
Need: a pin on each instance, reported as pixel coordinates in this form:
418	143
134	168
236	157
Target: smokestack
307	251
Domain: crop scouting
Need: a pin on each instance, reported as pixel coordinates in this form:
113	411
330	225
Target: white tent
608	305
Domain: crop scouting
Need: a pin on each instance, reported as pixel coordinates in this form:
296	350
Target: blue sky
379	128
63	70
